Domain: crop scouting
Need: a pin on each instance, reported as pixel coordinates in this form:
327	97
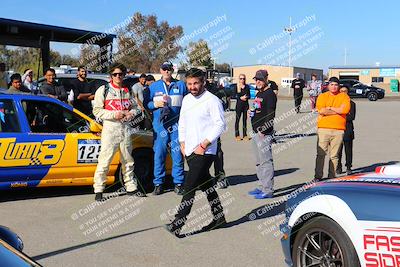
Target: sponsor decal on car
16	154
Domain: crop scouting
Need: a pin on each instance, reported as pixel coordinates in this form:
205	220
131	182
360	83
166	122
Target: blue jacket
176	91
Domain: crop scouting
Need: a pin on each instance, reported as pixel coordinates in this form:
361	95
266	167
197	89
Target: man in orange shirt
332	107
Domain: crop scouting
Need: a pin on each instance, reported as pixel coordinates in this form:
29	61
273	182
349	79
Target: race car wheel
372	96
143	171
322	242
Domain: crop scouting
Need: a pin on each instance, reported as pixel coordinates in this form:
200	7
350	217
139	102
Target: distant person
148	121
138	87
314	89
333	107
262	119
298	85
165	101
219	173
242	106
16	85
83	91
348	136
3	76
131	72
51	88
200	125
27	81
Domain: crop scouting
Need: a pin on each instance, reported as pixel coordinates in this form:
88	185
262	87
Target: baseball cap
150	78
261	75
167	65
334	80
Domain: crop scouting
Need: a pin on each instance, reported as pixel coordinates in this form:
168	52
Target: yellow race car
45	142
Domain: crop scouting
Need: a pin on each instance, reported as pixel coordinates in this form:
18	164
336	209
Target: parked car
349	221
45	142
361	90
11	247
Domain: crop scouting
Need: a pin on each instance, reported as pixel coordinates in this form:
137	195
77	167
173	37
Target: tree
199	54
144	43
224	67
90	57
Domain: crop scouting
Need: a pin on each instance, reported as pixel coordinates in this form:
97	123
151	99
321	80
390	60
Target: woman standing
242	106
314	89
348	136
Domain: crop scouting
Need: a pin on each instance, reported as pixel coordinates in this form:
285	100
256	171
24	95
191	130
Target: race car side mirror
95	127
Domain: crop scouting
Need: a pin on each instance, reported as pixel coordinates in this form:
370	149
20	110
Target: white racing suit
115	134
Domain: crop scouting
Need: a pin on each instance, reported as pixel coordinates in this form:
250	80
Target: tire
143	170
322	232
372	96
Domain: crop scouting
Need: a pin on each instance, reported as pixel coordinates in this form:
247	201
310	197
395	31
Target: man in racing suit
114	105
165	100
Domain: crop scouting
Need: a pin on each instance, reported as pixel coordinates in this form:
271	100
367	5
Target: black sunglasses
118	74
242	78
165	69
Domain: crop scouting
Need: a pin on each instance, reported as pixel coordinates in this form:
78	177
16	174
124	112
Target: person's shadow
371	168
265	211
242	179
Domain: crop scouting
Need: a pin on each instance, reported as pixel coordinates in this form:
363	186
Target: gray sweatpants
262	145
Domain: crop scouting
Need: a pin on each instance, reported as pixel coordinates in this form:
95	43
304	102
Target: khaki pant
328	140
112	140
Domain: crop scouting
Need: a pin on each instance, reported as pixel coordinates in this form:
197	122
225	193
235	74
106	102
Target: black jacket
349	132
245	91
263	119
54	89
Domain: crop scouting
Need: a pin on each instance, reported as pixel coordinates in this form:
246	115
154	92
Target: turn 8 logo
13	154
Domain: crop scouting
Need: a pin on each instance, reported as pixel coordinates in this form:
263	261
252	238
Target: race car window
9	122
48	117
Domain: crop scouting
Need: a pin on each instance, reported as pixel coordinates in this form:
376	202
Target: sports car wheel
322	242
372	96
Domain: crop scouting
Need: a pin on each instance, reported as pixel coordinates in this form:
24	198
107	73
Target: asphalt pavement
65	227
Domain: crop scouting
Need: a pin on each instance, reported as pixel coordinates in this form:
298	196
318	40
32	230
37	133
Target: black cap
334	80
150	78
143	75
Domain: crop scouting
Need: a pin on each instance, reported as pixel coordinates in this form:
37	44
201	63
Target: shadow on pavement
64	250
371	168
242	179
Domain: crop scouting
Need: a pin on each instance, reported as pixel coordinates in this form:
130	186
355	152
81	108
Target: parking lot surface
65	227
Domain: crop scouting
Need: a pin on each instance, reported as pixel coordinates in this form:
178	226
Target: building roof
15	32
271	65
364	67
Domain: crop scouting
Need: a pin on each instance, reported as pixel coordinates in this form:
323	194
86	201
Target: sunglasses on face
121	74
242	78
166	69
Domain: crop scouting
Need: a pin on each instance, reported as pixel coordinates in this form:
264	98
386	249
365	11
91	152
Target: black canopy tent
28	34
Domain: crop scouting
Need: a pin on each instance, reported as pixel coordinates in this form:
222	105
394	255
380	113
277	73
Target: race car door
76	149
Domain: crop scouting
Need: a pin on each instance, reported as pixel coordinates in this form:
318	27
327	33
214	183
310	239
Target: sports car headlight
20	244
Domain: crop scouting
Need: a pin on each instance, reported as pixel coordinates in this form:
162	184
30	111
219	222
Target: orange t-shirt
337	121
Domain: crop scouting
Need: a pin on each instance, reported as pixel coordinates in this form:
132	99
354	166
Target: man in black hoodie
298	85
262	119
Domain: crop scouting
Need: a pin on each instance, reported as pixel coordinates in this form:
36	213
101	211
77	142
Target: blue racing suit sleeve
149	101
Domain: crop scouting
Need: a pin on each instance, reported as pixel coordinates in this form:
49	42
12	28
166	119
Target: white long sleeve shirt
201	117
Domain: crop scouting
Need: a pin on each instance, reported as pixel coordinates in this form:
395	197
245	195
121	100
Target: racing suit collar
117	88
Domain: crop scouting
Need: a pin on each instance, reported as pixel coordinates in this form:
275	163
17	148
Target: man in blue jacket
165	100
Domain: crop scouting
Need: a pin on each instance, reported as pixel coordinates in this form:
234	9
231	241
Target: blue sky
367	29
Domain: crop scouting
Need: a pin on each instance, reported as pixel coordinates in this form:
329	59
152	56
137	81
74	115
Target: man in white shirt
201	123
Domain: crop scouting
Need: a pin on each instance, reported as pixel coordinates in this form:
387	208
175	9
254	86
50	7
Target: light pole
214	59
289	30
